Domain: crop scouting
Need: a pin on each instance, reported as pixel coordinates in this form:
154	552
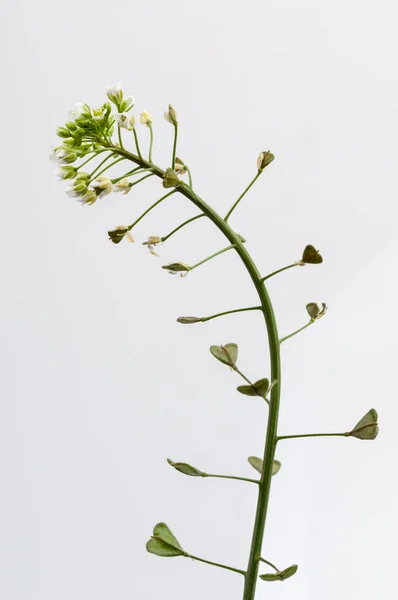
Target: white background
100	384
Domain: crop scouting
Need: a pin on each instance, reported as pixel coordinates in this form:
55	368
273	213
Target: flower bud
71	125
67	172
188	320
63	132
115	93
171	115
264	159
146	118
126	104
123	186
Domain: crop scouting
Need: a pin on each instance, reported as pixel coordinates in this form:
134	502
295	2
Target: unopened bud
188	320
171	115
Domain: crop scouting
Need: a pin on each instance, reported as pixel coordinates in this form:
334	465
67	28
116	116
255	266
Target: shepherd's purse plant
98	139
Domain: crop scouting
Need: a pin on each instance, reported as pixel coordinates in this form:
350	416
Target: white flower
89	197
62	156
128	103
115	93
146	118
104	184
80	110
123	185
125	121
67	172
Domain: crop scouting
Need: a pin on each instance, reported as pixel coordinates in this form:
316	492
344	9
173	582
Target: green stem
189	176
173	161
137	145
211	256
308	435
94	156
297	331
274	350
166	237
150	142
109	166
130	227
267	562
241	196
279	271
100	165
230	477
230	312
129	173
119	135
214	564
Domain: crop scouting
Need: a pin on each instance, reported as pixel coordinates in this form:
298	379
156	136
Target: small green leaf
259	388
163	542
227	354
367	428
185	468
257	464
281	575
311	256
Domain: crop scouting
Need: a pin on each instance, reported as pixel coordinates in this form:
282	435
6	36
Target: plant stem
150	142
137	145
231	477
211	256
166	237
130	227
209	562
100	165
119	135
308	435
189	176
278	271
241	196
109	166
297	331
267	562
274	350
94	156
230	312
173	161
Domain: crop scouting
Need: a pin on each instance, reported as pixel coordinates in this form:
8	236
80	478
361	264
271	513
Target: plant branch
230	312
267	562
279	271
297	331
150	142
310	435
230	477
241	196
130	227
214	564
173	161
166	237
211	256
